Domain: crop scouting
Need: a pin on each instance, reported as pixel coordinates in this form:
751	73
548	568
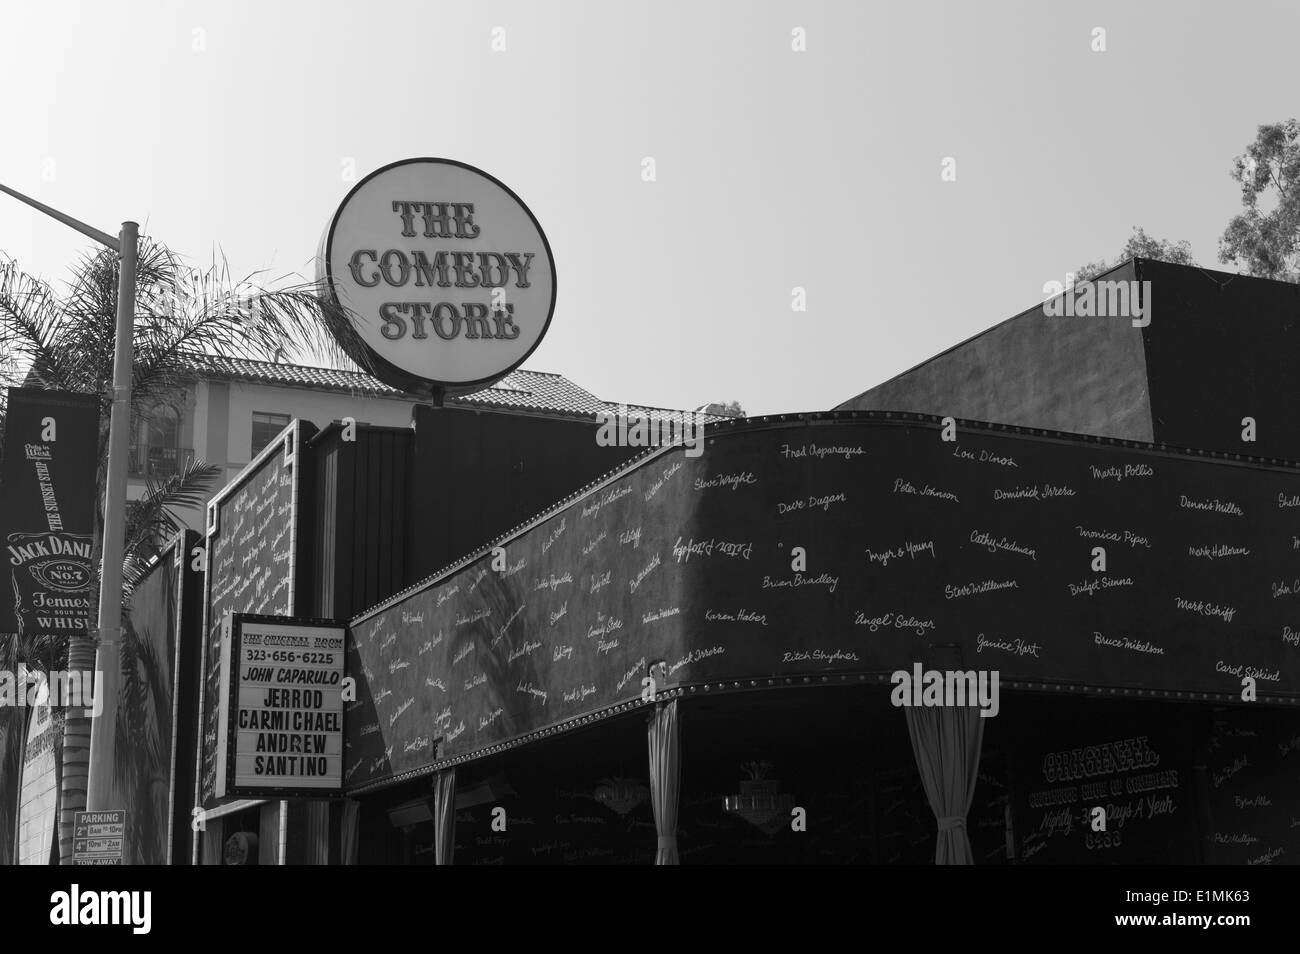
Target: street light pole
103	728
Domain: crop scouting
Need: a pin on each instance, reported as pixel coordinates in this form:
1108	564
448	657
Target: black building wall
362	491
477	474
1083	375
394	505
1218	349
1222	347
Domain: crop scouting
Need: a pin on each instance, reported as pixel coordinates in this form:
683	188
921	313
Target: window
155	443
265	429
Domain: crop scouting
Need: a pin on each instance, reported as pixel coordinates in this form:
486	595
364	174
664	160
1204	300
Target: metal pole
103	728
103	238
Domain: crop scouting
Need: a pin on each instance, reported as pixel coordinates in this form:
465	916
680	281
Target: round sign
241	849
442	273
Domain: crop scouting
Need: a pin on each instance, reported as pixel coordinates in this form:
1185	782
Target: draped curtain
946	741
444	816
665	779
349	841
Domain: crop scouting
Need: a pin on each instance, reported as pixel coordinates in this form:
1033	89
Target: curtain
348	840
946	741
268	833
665	779
444	816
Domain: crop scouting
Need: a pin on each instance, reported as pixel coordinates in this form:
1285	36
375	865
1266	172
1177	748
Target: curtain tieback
951	822
667	841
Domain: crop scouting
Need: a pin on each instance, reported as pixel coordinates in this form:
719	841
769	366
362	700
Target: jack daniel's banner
47	500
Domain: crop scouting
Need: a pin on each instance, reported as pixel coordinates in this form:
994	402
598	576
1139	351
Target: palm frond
44	652
135	567
31	326
143	731
67	341
211	312
152	519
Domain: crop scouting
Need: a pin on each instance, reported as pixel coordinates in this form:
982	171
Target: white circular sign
443	272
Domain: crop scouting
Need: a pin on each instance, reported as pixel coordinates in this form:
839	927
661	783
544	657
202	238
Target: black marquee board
916	548
252	556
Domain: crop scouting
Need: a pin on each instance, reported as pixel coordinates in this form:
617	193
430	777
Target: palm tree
64	340
144	740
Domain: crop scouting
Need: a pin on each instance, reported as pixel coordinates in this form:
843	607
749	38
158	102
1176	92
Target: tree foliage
1140	245
724	409
65	340
1264	238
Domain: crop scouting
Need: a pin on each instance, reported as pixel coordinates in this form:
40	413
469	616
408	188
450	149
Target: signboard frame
362	352
291	445
231	679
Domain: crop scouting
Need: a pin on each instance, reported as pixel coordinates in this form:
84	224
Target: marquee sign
443	273
847	547
281	706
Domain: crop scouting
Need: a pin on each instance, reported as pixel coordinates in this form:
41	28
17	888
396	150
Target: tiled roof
520	390
293	375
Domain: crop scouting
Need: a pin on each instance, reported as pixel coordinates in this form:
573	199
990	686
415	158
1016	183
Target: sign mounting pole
103	730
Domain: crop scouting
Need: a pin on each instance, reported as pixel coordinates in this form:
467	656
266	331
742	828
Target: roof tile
521	390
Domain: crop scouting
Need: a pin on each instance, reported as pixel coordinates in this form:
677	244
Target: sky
240	126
